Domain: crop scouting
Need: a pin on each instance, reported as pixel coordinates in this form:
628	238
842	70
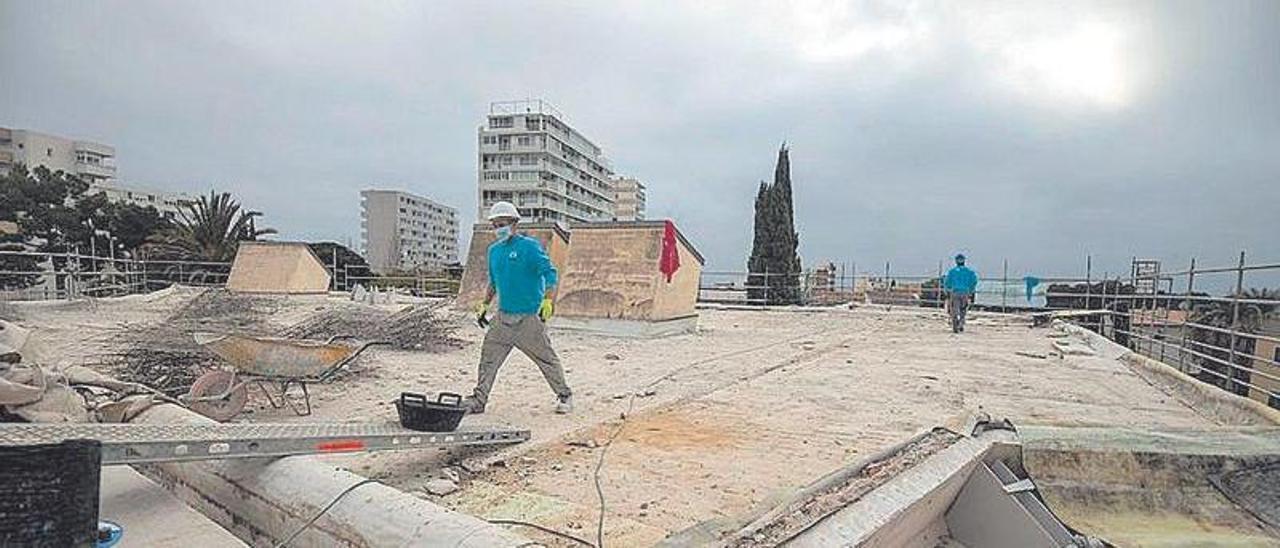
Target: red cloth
670	261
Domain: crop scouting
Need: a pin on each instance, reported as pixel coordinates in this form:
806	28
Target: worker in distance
960	284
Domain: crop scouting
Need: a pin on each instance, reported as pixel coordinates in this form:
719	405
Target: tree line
57	213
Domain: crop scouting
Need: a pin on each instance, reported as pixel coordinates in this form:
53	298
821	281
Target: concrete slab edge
762	518
900	511
1211	402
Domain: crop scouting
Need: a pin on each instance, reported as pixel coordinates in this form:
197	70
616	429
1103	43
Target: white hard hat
504	209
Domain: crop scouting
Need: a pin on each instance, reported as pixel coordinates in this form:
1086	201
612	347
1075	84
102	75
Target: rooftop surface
719	423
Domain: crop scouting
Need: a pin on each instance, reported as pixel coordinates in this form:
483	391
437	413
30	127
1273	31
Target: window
501	122
532	122
524	140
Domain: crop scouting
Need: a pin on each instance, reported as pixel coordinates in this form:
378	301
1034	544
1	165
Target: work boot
564	405
472	405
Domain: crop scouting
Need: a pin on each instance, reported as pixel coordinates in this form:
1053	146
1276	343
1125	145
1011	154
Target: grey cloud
905	150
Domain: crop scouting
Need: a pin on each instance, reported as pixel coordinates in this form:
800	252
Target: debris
589	444
169	371
451	474
612	357
646	393
929	377
1068	347
441	487
166	358
414	328
1031	355
528	460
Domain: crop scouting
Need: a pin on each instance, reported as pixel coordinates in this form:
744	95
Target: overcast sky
1037	132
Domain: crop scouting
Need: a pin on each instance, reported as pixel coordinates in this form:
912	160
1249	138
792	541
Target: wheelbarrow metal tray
274	357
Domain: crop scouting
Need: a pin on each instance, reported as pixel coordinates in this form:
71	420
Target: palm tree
210	229
1221	314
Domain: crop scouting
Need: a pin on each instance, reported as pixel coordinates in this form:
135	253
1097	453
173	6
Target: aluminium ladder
143	443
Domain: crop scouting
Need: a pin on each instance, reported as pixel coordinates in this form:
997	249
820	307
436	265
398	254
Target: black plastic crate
442	415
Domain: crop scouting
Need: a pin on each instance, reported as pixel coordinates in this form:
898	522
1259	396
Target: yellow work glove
545	311
482	315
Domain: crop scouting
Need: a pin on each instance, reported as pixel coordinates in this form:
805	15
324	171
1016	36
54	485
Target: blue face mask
504	232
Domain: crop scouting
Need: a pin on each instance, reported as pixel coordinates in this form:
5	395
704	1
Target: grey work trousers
528	333
956	310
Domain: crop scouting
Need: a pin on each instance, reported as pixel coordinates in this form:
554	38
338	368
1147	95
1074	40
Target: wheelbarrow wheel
216	383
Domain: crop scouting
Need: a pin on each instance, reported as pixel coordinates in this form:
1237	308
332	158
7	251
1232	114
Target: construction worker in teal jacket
524	280
960	283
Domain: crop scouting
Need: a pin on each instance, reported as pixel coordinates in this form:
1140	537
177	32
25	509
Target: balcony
95	169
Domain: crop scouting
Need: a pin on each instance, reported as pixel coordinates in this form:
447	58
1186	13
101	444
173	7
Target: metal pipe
1191	279
1235	307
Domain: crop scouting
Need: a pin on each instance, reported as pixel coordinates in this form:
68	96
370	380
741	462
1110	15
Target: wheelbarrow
270	364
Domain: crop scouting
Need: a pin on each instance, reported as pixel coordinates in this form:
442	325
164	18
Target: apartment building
628	199
169	204
529	156
92	162
403	231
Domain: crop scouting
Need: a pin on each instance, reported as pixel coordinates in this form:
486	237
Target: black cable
547	530
322	511
600	464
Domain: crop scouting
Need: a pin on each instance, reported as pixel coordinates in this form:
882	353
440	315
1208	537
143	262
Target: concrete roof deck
731	419
755	405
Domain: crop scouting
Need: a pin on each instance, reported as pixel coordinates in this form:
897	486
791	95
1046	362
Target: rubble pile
415	328
167	358
170	372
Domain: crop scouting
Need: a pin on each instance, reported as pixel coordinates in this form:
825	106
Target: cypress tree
775	244
756	291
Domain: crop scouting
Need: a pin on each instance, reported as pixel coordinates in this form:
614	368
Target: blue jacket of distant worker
961	279
521	272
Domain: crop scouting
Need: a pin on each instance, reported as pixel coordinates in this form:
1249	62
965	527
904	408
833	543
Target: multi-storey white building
402	231
92	162
169	204
530	157
628	199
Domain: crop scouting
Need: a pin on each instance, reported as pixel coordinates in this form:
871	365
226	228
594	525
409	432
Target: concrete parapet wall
277	267
613	272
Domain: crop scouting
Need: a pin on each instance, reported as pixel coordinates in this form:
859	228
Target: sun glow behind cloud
1086	63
